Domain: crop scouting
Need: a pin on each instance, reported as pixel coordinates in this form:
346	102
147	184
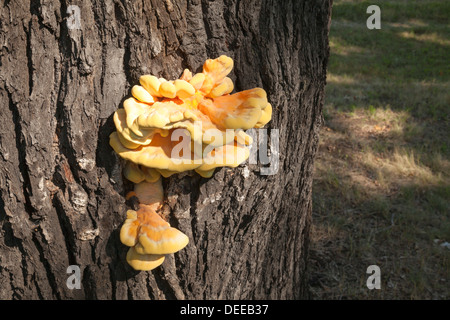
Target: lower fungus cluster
167	127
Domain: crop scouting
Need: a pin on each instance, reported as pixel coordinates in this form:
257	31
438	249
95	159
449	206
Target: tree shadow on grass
399	229
376	204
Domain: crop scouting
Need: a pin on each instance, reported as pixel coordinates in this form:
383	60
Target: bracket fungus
166	127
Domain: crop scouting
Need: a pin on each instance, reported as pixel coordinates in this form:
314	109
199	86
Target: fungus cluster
166	127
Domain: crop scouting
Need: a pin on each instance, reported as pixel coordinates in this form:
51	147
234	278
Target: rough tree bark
62	191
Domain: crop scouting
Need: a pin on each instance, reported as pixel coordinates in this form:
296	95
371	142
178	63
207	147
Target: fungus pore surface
166	127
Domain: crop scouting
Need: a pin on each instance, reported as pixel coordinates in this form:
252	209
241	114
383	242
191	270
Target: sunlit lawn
382	174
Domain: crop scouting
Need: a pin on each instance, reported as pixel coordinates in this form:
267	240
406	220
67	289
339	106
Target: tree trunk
62	192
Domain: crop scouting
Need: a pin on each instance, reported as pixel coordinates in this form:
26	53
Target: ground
381	192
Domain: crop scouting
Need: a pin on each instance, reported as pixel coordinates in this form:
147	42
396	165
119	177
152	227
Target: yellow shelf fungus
166	127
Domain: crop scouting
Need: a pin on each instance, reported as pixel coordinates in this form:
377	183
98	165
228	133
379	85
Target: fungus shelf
200	111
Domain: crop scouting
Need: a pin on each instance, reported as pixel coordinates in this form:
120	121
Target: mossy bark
62	191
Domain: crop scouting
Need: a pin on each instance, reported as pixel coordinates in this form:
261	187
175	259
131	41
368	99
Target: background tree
62	192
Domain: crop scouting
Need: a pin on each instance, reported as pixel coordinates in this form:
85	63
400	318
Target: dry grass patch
378	203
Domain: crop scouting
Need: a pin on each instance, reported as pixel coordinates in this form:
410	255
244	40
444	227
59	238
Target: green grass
382	176
429	11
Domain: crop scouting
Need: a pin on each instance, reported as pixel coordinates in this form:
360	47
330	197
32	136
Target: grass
382	174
